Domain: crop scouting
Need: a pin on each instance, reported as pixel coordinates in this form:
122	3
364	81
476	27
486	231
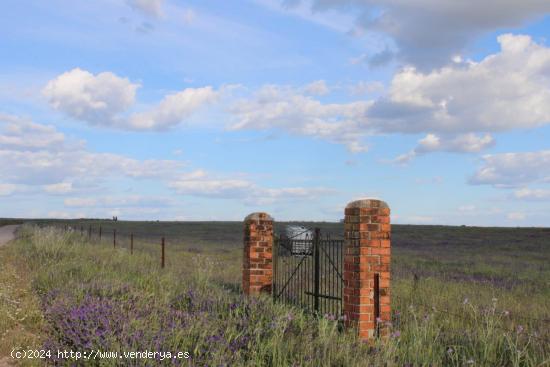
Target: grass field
461	296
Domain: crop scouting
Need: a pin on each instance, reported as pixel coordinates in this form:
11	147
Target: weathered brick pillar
258	253
367	267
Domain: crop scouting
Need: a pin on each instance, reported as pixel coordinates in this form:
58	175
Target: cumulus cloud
189	16
462	143
506	90
286	108
173	109
410	24
96	99
117	202
457	106
516	216
201	183
149	7
59	188
363	87
36	154
318	88
532	194
103	99
24	135
513	169
7	189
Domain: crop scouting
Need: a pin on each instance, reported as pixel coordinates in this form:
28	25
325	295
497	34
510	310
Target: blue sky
209	110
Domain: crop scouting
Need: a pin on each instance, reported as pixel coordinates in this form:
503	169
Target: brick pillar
367	267
258	251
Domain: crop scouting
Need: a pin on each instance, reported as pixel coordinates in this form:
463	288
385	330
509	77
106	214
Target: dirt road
7	233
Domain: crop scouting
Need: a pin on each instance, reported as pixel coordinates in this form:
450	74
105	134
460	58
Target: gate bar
316	249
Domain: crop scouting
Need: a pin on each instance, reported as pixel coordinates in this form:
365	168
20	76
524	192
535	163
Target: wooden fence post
114	238
131	244
100	233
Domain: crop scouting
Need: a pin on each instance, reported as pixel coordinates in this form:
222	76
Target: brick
368	250
257	254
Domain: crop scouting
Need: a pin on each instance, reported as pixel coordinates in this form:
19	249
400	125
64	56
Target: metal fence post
162	253
316	241
131	244
377	303
99	233
275	253
114	238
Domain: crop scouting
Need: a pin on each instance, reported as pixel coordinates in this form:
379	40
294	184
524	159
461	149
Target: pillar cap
258	216
367	203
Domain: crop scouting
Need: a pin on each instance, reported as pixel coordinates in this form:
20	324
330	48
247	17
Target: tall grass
95	297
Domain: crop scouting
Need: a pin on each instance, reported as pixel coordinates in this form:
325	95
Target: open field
461	296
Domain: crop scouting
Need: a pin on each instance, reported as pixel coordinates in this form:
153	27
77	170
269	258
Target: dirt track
7	233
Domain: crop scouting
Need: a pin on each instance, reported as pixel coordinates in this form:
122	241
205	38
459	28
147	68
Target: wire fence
119	238
128	239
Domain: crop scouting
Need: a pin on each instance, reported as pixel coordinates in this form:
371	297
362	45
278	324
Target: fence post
100	233
257	254
114	238
162	253
317	280
81	230
131	244
367	267
90	232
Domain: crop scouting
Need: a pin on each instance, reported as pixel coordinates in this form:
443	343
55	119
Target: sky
211	110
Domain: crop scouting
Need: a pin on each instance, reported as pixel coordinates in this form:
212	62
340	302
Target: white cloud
59	162
513	169
504	91
80	202
469	143
148	7
24	135
317	88
457	107
467	208
172	109
103	99
429	33
133	201
285	108
59	188
7	189
96	99
189	16
532	194
516	216
201	183
462	143
363	87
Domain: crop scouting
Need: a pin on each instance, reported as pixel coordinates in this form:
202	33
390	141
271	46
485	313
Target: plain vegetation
461	296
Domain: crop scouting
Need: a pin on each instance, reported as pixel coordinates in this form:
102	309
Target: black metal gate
308	271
